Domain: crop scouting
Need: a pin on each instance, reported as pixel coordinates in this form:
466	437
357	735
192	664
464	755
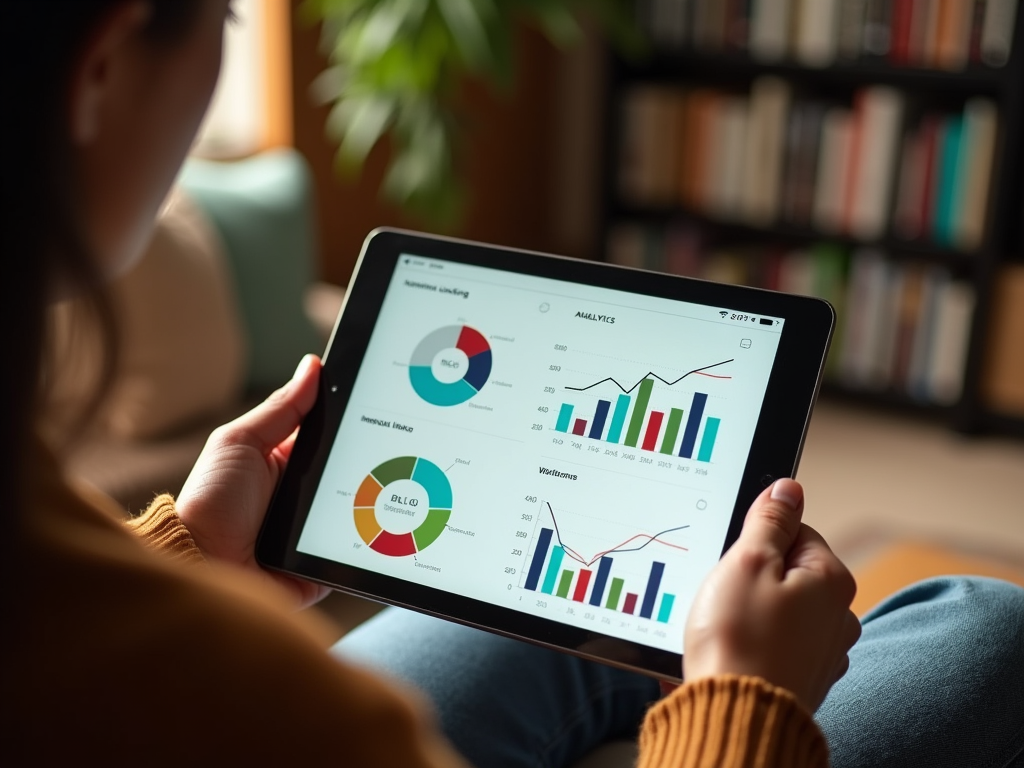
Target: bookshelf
880	166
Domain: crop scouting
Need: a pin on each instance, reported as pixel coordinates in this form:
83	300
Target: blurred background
867	152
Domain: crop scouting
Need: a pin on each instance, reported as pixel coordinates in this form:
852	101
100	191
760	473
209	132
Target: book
880	121
769	29
954	308
816	32
933	282
803	137
637	157
829	186
907	223
952	44
902	17
908	315
947	180
933	130
922	25
728	157
850	29
709	24
997	31
864	305
765	144
875	38
975	174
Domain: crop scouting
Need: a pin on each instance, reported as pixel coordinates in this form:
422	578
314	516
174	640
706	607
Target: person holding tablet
163	642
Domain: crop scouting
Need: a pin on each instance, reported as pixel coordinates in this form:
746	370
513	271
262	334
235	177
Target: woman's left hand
226	496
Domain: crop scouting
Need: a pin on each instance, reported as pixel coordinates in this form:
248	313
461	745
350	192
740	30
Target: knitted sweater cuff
161	528
728	722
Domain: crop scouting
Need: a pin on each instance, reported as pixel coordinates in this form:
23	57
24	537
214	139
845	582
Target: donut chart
439	494
463	338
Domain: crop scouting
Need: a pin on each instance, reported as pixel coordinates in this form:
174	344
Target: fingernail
303	366
788	492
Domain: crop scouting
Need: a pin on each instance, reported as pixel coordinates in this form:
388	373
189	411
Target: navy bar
602	577
537	564
602	413
653	583
693	425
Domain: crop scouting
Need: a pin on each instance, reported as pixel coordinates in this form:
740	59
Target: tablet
552	449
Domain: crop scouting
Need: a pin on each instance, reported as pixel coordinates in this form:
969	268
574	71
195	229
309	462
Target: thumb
774	518
277	417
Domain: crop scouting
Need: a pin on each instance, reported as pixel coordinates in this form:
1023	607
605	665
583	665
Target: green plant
394	66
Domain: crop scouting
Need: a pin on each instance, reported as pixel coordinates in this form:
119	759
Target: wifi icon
723	313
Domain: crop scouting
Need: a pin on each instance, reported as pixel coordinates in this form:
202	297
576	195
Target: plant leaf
360	120
468	25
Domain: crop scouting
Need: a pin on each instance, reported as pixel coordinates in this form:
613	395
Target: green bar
707	443
557	553
564	583
613	596
666	607
636	421
675	418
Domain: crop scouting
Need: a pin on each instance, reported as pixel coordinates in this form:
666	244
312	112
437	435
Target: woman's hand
776	606
227	494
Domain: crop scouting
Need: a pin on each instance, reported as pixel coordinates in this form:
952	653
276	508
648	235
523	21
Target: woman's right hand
777	605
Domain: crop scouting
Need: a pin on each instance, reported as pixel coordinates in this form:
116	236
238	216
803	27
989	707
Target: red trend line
618	547
713	376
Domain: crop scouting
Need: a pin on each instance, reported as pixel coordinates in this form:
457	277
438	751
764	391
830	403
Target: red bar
630	603
579	427
581	585
653	428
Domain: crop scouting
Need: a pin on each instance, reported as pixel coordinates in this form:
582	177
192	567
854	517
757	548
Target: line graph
651	374
650	538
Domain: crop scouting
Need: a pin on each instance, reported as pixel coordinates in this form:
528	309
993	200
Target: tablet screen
562	450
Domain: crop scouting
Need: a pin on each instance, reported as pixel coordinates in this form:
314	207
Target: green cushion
262	208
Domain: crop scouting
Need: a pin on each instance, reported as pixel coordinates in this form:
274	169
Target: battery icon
766	321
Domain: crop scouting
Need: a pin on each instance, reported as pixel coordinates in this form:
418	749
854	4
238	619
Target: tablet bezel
775	448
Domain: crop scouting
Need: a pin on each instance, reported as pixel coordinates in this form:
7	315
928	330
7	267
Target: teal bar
557	553
707	443
618	418
666	607
564	417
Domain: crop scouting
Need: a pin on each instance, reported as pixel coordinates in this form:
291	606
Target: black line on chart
698	371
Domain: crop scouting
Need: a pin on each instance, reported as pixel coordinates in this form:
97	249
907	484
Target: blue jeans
937	679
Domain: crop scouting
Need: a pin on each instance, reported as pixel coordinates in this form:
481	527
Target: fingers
271	422
811	556
774	517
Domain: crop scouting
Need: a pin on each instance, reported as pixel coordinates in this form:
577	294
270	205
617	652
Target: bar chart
600	589
646	428
556	569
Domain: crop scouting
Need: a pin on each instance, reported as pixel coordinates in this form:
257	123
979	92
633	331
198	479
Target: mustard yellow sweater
125	647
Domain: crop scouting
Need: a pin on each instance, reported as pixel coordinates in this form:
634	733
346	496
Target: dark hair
42	230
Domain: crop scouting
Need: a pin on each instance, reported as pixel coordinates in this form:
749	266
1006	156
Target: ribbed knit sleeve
160	527
730	722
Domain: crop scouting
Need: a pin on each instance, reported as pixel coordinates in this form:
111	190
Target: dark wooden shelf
956	260
1002	424
709	67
